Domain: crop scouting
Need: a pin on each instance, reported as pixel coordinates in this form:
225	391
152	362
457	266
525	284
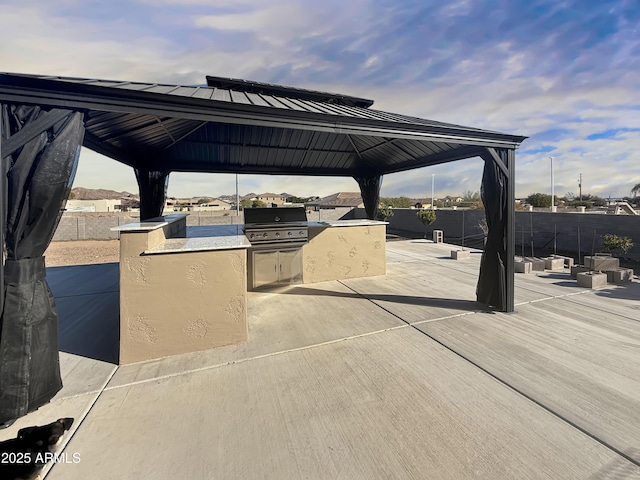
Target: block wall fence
567	226
97	226
405	223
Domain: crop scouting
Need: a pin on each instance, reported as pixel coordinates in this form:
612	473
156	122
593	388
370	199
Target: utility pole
580	186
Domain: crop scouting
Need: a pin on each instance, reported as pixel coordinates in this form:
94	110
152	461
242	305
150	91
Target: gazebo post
370	190
510	233
497	269
3	210
153	192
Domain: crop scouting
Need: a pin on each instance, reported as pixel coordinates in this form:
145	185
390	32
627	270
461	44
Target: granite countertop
148	225
213	237
348	223
217	237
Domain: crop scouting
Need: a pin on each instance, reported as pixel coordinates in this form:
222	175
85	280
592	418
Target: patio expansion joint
506	384
83	416
431	320
247	359
634	319
86	294
549	297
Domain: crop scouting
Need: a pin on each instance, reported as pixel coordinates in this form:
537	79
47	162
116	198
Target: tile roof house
340	199
272	198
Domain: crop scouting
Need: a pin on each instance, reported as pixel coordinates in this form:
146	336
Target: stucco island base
179	301
344	249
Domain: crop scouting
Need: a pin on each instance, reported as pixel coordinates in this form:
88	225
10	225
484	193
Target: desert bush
427	216
614	244
385	212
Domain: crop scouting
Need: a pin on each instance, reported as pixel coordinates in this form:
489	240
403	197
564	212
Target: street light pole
237	198
552	187
433	182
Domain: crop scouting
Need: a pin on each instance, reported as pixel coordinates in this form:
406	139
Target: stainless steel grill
277	236
276	227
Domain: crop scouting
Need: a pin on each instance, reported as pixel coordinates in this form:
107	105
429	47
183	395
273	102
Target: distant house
421	202
195	205
93	206
214	205
178	205
337	200
271	198
620	208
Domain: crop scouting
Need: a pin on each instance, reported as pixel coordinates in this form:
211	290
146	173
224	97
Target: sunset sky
564	73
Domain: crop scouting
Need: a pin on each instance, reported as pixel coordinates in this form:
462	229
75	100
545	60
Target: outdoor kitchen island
184	289
181	289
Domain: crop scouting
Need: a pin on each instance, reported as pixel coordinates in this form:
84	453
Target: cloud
560	72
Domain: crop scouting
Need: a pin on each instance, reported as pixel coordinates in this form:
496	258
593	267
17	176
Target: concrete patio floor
398	376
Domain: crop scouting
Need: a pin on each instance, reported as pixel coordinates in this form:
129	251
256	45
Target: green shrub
396	202
615	244
385	212
539	200
426	216
587	205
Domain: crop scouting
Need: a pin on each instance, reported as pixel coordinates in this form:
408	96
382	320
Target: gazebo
227	126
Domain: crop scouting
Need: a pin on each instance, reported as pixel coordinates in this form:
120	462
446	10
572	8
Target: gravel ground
81	252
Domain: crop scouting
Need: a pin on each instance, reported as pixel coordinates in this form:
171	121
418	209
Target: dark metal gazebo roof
239	126
233	126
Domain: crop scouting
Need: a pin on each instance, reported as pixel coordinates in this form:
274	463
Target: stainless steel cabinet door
290	266
265	268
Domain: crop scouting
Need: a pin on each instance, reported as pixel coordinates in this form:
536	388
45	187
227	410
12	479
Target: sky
564	73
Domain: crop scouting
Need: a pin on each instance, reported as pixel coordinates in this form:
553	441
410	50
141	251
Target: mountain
81	193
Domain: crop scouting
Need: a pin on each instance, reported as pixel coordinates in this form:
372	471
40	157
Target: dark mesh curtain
153	192
491	288
370	191
39	176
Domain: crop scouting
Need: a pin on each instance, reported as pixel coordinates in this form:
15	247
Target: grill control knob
251	236
290	234
301	233
264	235
277	234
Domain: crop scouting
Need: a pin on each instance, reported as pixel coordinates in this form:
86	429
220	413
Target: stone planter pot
622	275
601	262
592	279
522	267
553	263
537	264
460	254
576	269
568	261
